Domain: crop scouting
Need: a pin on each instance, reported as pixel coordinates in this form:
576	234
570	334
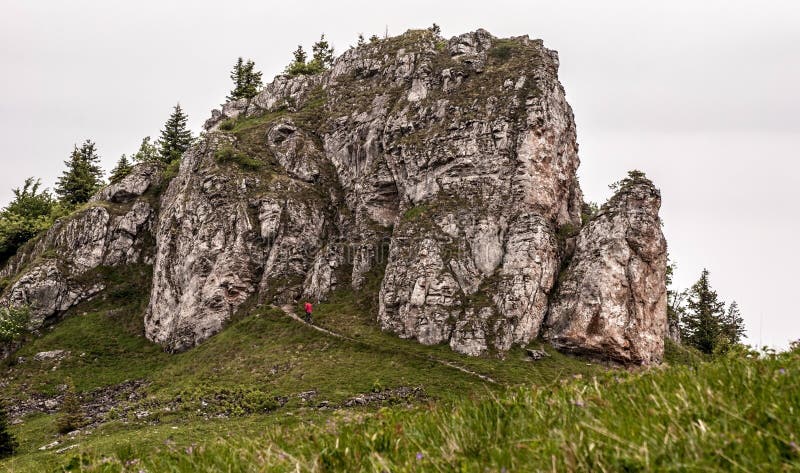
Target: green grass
729	415
233	404
229	155
249	374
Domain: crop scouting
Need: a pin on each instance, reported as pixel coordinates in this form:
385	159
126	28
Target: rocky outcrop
448	169
612	300
53	272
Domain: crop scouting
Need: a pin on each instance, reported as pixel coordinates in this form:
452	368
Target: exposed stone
49	273
449	169
612	300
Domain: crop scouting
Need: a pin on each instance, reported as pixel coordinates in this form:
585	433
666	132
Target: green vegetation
246	80
122	169
682	418
83	176
175	137
147	153
70	418
13	322
31	212
321	60
8	444
228	154
705	324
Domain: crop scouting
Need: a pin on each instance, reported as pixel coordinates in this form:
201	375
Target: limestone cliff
459	157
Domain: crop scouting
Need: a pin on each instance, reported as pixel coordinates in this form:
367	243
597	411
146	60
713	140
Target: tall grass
729	415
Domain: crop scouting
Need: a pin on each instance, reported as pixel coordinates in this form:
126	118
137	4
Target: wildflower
419	456
782	371
579	403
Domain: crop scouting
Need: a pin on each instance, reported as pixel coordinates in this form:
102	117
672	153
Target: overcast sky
704	96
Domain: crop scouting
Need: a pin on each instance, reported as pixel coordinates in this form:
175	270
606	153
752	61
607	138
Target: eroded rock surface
53	272
443	172
612	301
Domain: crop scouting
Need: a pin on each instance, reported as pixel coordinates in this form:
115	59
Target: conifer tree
246	80
435	29
122	169
70	417
323	55
175	137
361	41
8	444
83	176
733	324
298	64
702	323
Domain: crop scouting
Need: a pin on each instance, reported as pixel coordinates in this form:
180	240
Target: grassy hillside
272	394
264	372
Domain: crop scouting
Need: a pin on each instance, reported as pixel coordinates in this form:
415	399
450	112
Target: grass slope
245	380
730	415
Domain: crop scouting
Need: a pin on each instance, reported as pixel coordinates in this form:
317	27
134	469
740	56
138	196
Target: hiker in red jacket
309	309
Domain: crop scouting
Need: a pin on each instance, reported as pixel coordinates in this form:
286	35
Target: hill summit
435	177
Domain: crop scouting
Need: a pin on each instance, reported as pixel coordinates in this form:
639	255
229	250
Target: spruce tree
8	444
298	64
246	80
323	55
701	324
175	137
122	169
70	417
83	176
733	324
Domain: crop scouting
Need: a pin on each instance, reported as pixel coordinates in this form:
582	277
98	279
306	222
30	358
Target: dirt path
289	310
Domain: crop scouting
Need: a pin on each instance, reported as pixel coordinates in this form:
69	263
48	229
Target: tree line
698	318
34	208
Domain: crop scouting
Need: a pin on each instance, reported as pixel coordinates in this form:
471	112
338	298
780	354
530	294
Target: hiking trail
289	310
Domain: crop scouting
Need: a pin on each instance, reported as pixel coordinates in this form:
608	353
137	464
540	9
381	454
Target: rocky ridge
443	169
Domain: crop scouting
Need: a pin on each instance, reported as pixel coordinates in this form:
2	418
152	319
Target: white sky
702	95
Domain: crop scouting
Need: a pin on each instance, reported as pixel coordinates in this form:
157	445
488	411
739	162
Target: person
309	308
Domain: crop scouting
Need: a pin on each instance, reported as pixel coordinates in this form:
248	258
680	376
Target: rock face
612	300
443	172
53	272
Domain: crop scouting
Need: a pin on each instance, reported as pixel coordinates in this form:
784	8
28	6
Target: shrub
227	125
13	322
230	155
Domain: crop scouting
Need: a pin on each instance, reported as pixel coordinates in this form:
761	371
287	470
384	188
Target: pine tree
83	176
71	417
148	152
675	306
701	326
246	80
8	444
298	65
361	41
122	169
733	324
435	29
175	137
323	55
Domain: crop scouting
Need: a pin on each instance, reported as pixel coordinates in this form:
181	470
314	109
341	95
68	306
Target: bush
227	125
230	155
233	400
13	322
